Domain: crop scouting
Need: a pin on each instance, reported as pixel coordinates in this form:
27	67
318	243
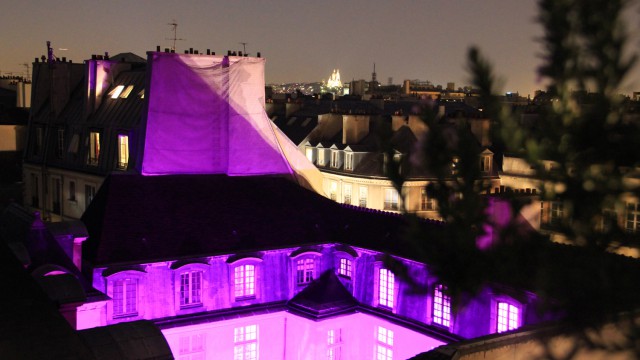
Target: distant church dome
334	80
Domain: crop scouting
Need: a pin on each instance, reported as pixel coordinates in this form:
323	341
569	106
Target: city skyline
302	42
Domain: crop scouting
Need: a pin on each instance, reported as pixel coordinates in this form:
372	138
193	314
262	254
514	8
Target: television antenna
174	28
26	67
244	47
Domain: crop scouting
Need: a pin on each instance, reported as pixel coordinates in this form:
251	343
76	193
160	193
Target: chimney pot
258	53
157	48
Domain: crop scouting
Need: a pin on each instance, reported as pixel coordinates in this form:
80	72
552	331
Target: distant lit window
335	159
333	190
190	288
348	161
362	196
390	199
115	93
141	94
632	223
346	193
345	268
334	344
426	201
386	288
60	144
94	148
441	307
384	344
245	342
508	316
123	151
305	271
125	297
245	281
556	213
192	347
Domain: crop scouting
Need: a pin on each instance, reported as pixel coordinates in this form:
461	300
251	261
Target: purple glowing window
384	344
305	269
345	268
508	317
385	291
334	344
191	288
245	281
125	296
441	307
192	347
245	340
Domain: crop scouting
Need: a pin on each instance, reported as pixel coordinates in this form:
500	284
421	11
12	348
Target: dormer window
348	161
94	148
309	153
335	159
508	316
123	151
485	164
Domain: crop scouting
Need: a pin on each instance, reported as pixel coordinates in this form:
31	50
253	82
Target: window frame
384	343
348	161
347	192
123	156
190	306
246	347
391	201
427	203
191	284
385	278
512	304
441	307
93	153
137	280
362	200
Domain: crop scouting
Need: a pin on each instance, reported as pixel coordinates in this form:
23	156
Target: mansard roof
136	218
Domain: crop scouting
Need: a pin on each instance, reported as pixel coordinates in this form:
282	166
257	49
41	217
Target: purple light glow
287	336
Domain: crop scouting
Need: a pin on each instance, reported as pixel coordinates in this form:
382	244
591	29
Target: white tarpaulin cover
206	116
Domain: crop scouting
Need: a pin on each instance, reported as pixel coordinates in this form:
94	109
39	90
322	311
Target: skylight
126	92
115	93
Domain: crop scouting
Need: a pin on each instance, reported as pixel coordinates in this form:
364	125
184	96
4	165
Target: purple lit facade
210	226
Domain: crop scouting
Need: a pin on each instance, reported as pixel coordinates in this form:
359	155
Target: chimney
157	48
354	128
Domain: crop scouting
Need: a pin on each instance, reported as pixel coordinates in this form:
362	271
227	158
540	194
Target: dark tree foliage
595	152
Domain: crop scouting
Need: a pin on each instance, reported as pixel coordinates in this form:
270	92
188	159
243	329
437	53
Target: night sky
302	40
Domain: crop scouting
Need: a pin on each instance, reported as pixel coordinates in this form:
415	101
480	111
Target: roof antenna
174	28
27	67
244	47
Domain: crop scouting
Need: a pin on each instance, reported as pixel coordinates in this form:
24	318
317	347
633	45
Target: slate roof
136	218
324	297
